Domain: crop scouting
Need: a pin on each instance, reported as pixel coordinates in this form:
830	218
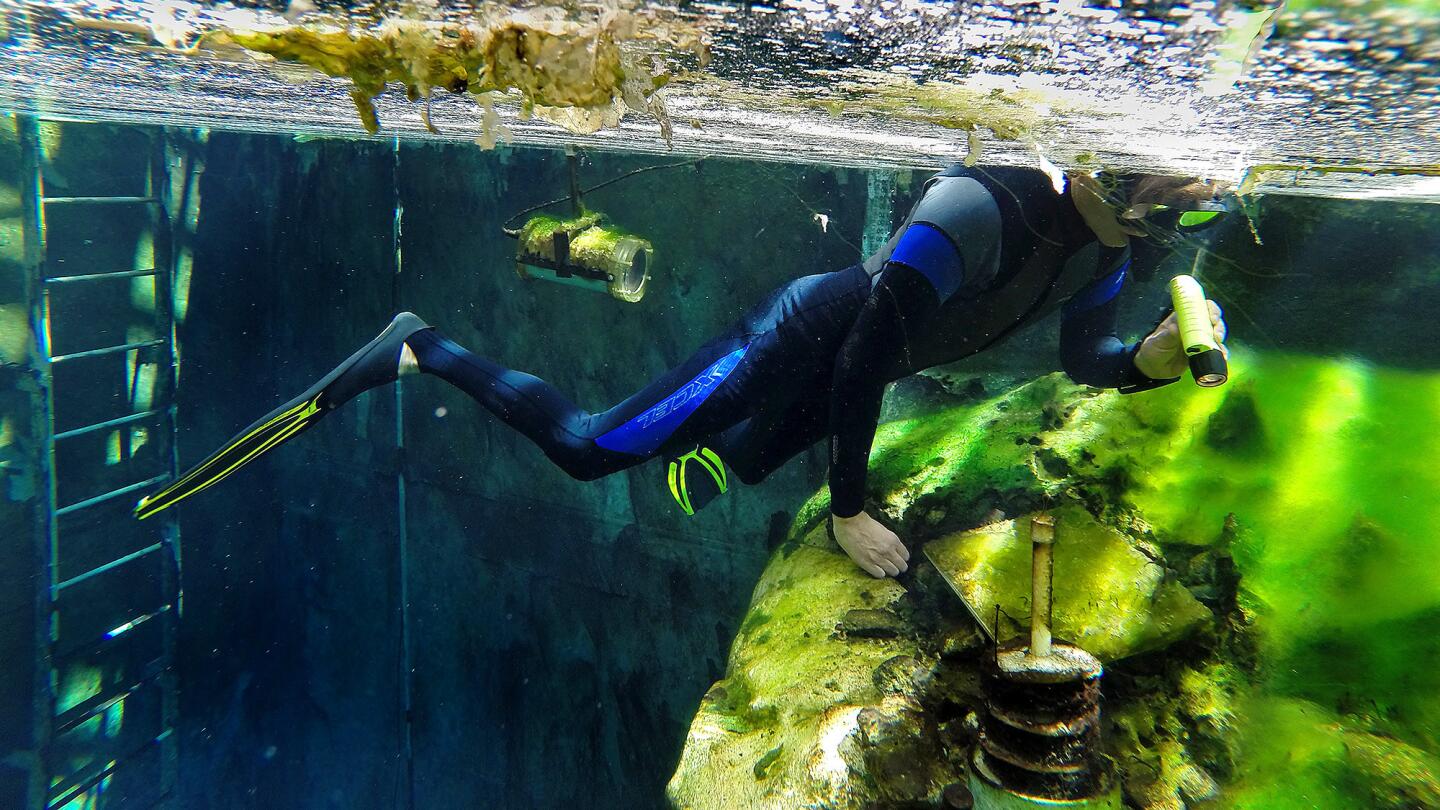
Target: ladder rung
81	712
98	200
60	358
63	794
109	638
113	564
110	496
100	276
116	632
109	423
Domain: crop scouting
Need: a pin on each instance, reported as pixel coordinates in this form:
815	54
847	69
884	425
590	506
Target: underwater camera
584	250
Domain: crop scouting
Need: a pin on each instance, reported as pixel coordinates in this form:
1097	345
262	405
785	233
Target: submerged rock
1242	558
799	712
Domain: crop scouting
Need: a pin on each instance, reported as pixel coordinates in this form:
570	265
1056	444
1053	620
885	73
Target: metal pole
402	518
572	160
879	210
1042	570
167	182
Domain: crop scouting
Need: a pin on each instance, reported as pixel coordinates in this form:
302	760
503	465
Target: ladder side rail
32	192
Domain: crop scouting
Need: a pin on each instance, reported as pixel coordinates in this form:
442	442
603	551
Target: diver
980	255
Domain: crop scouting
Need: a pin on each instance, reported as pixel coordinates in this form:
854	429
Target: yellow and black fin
375	364
269	432
696	478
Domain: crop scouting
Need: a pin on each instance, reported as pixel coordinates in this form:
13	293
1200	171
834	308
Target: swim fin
696	479
375	364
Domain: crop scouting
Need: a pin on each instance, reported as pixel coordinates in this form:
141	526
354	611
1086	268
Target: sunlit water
1178	87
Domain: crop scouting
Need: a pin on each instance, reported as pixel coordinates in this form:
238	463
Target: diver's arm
954	221
1090	351
902	301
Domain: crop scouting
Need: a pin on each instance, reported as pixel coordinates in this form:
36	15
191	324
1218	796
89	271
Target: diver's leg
775	348
791	340
376	363
795	328
763	443
784	349
572	437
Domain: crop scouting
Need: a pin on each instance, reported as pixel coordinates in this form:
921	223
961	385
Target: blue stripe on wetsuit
1098	293
927	249
643	434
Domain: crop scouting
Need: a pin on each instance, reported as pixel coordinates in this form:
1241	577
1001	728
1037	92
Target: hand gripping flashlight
1197	334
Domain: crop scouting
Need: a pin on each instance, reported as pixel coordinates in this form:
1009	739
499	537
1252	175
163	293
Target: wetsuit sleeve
1090	351
902	302
948	248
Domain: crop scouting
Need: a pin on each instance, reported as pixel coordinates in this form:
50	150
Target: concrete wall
562	633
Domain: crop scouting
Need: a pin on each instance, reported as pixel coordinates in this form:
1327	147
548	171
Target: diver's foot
377	363
695	479
409	363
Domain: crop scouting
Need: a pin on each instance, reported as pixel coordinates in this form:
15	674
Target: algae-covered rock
871	624
949	468
1111	598
1250	561
811	716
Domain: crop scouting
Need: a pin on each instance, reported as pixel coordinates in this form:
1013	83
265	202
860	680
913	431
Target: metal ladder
107	713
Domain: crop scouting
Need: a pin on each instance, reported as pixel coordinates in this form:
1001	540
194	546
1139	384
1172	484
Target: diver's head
1118	207
1183	204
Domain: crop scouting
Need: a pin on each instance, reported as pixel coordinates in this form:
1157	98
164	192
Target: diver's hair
1138	193
1173	191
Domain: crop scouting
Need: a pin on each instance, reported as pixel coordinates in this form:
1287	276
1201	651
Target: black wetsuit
982	254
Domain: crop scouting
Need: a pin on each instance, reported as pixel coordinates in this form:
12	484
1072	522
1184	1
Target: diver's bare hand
872	546
1161	356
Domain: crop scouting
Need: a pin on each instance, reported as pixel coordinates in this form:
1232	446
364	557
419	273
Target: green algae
1300	755
944	467
1009	113
1332	500
1425	8
1175	743
1309	479
582	73
1254	175
535	234
406	52
763	763
1245	33
793	693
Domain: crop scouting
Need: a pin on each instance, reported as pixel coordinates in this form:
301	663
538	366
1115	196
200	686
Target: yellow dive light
1197	334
